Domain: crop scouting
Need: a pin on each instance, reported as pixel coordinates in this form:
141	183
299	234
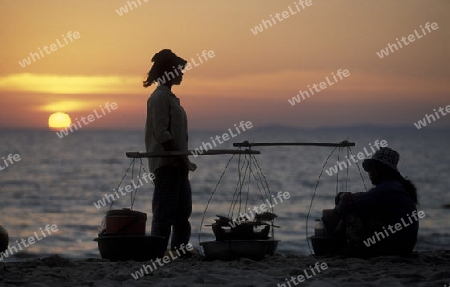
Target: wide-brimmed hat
168	59
386	156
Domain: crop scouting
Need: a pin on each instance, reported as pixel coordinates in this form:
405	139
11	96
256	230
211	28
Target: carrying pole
248	144
137	154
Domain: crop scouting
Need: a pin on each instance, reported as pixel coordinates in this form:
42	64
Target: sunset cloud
59	84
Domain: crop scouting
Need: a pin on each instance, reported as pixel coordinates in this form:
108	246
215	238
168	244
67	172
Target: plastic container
125	222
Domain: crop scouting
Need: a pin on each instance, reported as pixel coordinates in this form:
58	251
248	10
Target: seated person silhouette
383	220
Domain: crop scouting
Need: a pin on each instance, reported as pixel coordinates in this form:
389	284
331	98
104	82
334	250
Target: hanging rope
349	151
346	179
261	175
248	186
337	175
314	195
359	169
131	194
212	195
120	183
247	168
136	189
238	189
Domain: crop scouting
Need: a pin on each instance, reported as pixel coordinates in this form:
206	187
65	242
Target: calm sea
58	180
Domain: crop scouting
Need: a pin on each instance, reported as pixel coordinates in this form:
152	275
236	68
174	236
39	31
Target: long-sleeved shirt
166	120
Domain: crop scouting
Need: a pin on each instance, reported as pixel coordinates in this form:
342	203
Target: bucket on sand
125	222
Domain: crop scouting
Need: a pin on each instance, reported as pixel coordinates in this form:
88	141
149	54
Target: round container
125	222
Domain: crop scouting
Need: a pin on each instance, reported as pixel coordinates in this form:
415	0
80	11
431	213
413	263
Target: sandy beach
422	269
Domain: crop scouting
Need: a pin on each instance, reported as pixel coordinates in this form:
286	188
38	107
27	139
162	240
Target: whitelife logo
132	5
323	85
316	270
281	16
31	240
91	117
423	123
398	227
146	269
205	56
260	209
225	137
147	177
411	38
347	163
11	158
35	56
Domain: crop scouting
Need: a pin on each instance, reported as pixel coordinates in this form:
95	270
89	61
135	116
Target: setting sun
58	121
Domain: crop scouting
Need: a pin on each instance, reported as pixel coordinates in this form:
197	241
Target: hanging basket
243	237
122	233
243	231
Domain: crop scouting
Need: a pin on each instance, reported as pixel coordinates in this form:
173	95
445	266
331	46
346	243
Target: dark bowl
131	247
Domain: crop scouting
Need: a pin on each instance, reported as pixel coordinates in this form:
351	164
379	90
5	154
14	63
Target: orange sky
251	76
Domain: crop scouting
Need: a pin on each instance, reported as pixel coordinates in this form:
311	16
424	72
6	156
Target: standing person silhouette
166	129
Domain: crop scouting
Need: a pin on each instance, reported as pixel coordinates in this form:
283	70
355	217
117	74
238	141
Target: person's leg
182	228
164	200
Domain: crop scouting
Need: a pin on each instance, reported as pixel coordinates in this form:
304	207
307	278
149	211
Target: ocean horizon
57	181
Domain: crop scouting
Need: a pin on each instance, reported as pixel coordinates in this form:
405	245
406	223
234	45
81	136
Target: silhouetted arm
368	202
